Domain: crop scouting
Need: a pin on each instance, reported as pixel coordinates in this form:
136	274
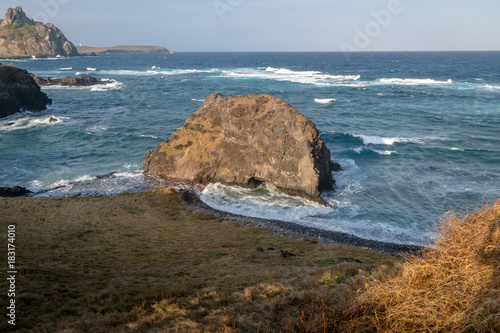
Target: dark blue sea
417	134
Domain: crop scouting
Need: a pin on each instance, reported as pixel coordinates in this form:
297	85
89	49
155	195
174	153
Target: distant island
22	37
133	49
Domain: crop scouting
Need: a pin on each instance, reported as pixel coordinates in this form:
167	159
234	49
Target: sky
275	25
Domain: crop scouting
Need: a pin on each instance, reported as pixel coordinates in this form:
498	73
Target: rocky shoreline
289	229
19	91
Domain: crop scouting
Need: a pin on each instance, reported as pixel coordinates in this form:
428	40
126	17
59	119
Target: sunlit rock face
244	141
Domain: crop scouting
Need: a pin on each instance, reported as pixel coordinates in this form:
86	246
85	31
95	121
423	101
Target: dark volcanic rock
286	254
68	81
335	167
84	81
11	192
246	140
20	36
19	91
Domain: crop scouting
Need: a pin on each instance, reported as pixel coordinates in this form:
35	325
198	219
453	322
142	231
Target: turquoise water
417	134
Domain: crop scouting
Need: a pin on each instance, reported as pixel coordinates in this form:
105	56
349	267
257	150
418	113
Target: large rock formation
20	36
244	141
19	91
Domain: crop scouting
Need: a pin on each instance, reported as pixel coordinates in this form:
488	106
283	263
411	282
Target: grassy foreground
142	263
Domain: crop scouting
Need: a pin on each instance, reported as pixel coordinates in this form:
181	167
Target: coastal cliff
19	91
245	141
21	36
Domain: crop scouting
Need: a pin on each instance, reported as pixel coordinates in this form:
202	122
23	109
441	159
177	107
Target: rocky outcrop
19	91
20	36
13	192
69	81
246	140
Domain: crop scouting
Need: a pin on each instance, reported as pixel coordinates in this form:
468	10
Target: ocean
417	134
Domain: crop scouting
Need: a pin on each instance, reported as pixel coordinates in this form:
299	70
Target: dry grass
454	287
142	263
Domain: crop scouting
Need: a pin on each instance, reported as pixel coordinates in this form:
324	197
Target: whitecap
413	82
66	68
197	100
285	74
187	71
131	166
83	178
91	69
157	71
127	72
60	183
106	84
378	140
28	122
358	150
110	85
96	129
47	120
385	152
324	100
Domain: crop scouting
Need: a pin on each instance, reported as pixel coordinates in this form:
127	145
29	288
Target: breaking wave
263	202
413	82
324	100
86	185
378	140
285	74
28	122
107	84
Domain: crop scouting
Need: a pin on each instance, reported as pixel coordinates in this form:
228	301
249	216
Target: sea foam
413	82
87	185
285	74
378	140
263	202
324	100
28	122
